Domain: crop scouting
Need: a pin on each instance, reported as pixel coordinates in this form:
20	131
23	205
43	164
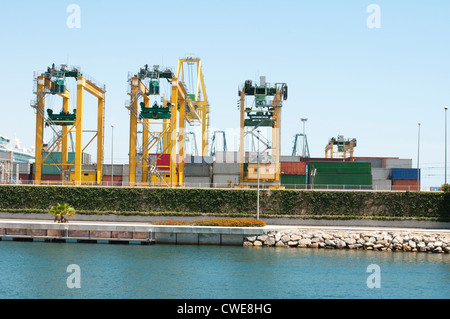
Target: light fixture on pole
304	137
418	157
112	155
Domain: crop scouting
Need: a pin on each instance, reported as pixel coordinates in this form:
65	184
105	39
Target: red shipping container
293	168
163	161
405	185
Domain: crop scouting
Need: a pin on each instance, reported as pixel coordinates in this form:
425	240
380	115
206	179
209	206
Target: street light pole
418	156
445	164
257	191
112	155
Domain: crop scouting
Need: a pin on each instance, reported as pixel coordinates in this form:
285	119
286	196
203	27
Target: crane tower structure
171	114
53	82
265	112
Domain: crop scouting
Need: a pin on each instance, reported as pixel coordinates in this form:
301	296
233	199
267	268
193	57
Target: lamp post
418	157
304	137
257	187
445	164
112	155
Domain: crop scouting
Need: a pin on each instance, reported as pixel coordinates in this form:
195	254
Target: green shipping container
342	180
290	180
329	167
55	158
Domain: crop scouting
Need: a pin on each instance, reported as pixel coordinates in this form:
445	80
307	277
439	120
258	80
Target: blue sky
347	79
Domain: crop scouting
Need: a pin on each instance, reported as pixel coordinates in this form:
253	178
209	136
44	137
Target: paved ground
268	227
276	222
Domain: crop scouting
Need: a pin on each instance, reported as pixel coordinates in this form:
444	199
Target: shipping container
381	184
398	163
199	160
195	170
225	180
341	180
374	162
266	171
358	168
117	169
252	157
285	158
293	168
197	182
226	168
293	179
320	159
405	185
404	174
381	173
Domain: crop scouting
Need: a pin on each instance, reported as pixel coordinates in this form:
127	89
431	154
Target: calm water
39	270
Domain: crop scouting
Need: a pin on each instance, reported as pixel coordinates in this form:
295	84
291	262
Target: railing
399	188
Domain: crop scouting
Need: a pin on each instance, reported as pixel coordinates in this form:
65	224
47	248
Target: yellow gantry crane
143	85
53	81
171	115
197	106
265	112
343	147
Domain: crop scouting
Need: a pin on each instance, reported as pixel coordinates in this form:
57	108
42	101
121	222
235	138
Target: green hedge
234	202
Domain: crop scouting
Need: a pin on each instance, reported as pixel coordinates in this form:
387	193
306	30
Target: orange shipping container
404	185
293	168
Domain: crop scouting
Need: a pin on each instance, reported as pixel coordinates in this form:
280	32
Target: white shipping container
381	173
397	163
252	157
224	180
284	158
381	184
226	168
197	182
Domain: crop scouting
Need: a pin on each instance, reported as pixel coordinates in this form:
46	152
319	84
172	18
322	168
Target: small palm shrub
60	211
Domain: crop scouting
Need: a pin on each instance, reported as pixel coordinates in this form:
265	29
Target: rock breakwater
375	240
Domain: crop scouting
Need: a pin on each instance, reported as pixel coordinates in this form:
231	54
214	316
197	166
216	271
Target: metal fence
398	188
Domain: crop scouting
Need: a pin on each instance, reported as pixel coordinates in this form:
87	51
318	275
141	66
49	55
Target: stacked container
405	179
340	174
293	172
197	171
225	174
380	175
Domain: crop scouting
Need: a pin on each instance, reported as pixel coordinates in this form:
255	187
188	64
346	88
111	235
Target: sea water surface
40	270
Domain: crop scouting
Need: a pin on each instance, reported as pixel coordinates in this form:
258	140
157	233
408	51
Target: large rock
340	244
350	241
305	242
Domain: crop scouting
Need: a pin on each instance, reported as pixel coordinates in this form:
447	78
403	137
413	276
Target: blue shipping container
405	174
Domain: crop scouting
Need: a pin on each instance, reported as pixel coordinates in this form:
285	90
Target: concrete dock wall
132	233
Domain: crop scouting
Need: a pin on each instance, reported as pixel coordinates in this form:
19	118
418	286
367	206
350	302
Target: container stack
340	175
225	174
197	171
380	175
293	173
405	179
